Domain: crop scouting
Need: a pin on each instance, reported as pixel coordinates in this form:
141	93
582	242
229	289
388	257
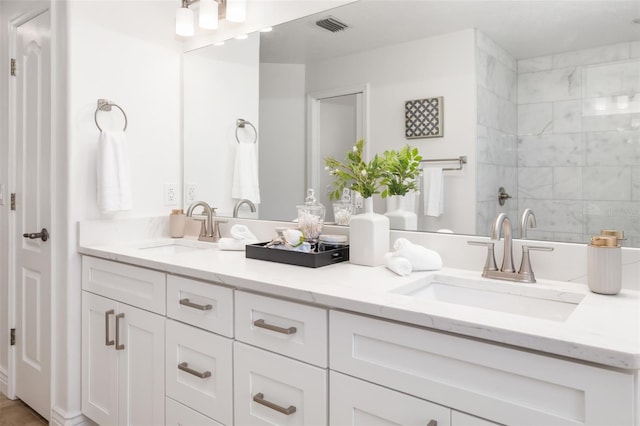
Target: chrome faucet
240	203
527	220
207	229
507	271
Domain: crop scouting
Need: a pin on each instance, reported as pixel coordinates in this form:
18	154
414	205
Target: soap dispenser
604	263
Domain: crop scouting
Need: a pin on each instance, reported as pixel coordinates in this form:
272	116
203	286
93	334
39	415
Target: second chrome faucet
502	227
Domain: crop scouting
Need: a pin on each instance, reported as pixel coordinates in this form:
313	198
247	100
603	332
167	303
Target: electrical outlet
191	192
170	194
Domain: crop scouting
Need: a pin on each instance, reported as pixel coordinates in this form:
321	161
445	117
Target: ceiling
524	28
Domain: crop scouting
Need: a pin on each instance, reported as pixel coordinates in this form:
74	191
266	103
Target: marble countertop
602	329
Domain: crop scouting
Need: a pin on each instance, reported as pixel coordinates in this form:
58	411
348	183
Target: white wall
282	139
220	86
439	66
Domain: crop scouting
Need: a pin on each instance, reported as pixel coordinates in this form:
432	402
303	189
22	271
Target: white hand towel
399	265
433	189
421	258
240	237
113	174
241	232
245	173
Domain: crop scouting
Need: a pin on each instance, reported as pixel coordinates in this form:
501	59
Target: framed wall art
423	118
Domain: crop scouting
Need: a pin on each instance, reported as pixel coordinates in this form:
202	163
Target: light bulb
184	22
208	18
236	10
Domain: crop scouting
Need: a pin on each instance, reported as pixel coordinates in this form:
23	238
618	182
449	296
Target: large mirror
542	98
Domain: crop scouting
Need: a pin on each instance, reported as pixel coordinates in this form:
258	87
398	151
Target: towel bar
105	105
461	160
240	123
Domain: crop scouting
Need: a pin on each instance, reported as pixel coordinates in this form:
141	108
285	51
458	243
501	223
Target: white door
32	280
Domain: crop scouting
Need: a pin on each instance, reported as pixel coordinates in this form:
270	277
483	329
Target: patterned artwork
423	118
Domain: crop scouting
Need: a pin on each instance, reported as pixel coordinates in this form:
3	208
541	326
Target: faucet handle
216	229
490	262
525	265
203	226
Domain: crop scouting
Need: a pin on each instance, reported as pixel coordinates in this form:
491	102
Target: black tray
310	260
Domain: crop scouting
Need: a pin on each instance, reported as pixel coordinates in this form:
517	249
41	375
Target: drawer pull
107	340
261	324
184	366
119	346
259	398
432	423
190	304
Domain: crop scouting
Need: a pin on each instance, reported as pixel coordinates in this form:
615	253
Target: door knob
44	235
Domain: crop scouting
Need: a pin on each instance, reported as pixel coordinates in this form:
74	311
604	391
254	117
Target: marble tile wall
496	72
578	148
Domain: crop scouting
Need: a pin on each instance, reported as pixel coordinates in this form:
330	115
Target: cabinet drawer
499	383
199	370
462	419
358	403
132	285
178	414
204	305
270	389
292	329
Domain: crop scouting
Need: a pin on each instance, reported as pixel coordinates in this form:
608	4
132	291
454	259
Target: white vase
400	217
368	237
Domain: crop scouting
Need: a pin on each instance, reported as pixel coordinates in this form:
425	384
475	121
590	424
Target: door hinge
13	201
13	67
12	338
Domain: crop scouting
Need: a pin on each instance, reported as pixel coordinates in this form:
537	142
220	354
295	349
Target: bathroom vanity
182	333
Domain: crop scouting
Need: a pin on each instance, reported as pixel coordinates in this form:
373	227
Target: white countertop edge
618	349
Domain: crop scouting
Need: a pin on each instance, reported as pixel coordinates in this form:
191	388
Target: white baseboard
60	417
4	385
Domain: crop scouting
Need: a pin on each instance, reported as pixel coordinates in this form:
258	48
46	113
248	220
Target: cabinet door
358	403
199	370
462	419
99	359
270	389
140	349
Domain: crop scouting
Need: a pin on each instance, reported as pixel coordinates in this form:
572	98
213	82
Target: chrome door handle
187	302
184	366
107	341
259	398
43	235
119	346
261	324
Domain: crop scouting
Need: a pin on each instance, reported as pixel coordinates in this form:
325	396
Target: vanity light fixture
210	12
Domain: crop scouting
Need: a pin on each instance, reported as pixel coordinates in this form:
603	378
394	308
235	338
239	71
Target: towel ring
240	123
105	105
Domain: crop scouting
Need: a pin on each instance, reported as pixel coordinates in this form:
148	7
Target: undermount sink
514	298
175	247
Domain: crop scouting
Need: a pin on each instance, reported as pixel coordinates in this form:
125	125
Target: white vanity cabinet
494	382
122	345
281	379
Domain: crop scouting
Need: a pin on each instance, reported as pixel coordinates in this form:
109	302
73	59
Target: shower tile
535	182
612	79
612	148
547	86
567	183
596	55
606	183
550	150
556	216
488	46
613	215
598	123
634	48
535	119
541	63
635	183
567	117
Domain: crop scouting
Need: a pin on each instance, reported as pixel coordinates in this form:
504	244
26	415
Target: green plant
401	170
355	173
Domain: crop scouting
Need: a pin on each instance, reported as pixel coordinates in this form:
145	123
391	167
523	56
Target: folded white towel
113	174
233	244
245	173
421	258
240	237
241	232
433	189
397	264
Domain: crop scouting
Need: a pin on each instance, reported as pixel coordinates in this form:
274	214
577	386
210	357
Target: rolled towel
233	244
241	232
397	264
421	258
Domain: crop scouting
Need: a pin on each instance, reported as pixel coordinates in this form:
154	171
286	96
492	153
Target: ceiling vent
331	24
